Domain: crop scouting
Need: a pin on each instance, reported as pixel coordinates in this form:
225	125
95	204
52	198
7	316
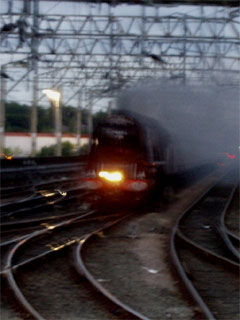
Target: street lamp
55	96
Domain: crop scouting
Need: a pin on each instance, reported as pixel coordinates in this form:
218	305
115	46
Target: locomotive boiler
191	131
131	156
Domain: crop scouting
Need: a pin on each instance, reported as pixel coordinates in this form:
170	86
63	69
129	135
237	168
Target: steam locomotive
163	136
132	155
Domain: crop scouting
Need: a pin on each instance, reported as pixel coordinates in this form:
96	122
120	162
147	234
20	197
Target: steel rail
32	202
49	167
47	228
13	285
194	293
223	230
207	252
176	260
233	238
82	270
10	268
216	227
11	241
231	268
37	220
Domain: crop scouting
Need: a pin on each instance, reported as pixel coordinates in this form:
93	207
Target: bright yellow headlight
114	176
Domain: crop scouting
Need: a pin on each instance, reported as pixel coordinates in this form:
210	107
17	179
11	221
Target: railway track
43	265
36	230
45	200
21	178
38	248
206	255
83	271
48	203
231	218
21	192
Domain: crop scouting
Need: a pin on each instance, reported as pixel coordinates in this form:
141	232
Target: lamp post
90	121
79	122
3	94
55	97
2	110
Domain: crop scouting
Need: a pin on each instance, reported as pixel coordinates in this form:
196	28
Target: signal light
7	157
114	176
230	156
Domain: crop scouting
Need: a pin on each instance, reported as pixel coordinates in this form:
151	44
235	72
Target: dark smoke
202	120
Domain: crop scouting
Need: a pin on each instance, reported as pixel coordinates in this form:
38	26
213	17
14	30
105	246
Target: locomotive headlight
113	176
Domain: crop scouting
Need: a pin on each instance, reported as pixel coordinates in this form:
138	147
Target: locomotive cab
128	156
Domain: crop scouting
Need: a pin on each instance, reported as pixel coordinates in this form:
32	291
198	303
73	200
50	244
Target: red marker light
230	156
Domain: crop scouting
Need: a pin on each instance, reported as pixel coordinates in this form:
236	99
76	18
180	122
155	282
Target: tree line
18	118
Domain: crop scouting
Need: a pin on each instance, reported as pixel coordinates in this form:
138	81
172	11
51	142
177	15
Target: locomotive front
118	167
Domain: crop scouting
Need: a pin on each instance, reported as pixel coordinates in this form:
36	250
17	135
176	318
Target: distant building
20	142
